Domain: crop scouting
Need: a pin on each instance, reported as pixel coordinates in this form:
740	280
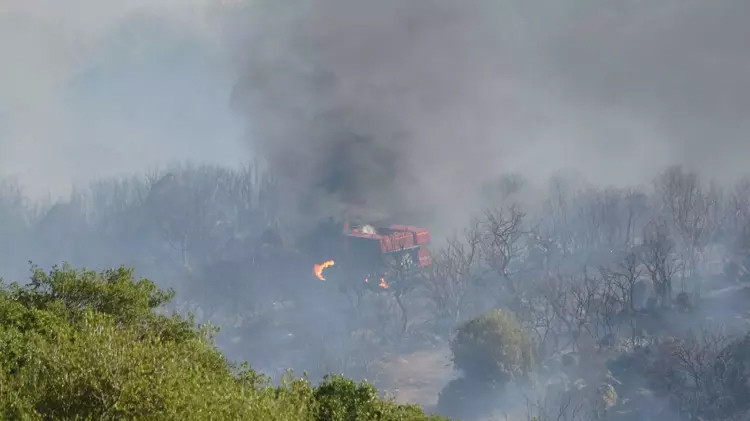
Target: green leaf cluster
493	347
85	345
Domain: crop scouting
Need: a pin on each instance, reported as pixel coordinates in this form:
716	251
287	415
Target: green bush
493	347
341	399
81	345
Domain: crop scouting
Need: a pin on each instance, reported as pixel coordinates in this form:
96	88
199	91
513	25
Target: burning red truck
374	253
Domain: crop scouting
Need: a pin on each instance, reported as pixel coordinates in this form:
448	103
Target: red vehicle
374	252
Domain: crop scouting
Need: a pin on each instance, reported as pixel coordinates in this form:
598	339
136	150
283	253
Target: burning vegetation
319	268
382	284
367	252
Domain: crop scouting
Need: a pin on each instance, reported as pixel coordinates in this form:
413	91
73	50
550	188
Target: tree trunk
404	319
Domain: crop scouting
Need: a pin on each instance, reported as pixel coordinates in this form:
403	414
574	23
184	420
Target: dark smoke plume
382	103
409	104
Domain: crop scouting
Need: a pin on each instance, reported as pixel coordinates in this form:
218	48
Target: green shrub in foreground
81	345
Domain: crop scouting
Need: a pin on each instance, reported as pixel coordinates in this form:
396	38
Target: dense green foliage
489	350
493	347
76	344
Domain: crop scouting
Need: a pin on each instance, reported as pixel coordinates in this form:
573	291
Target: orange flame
319	268
383	284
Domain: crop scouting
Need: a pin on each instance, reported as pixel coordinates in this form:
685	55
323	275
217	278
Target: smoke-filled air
349	210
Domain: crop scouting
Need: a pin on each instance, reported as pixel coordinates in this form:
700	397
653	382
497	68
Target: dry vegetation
609	289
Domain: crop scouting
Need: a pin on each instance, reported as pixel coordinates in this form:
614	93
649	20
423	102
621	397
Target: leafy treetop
82	345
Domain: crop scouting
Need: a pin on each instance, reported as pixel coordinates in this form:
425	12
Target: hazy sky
457	90
90	88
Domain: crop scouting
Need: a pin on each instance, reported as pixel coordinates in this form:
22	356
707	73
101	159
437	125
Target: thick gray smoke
376	102
679	66
411	100
416	101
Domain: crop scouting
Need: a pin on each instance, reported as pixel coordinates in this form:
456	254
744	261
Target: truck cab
368	249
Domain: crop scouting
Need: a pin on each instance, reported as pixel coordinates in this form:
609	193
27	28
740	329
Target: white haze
615	90
91	88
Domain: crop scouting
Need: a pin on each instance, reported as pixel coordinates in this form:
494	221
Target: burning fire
319	268
383	284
